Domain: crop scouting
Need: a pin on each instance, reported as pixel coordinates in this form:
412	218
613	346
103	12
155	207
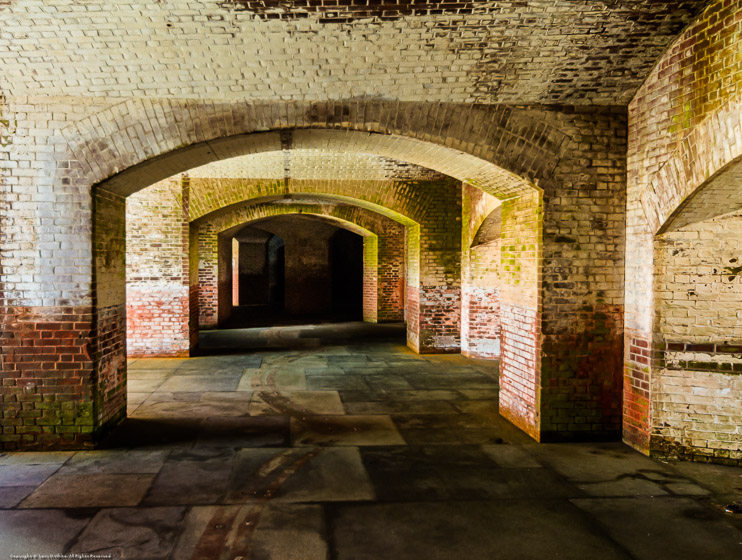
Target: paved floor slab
131	533
345	431
662	527
299	475
89	490
296	403
44	531
467	530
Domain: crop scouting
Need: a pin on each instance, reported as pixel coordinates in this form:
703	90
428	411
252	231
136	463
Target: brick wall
685	128
390	252
208	275
434	255
158	294
697	370
45	366
464	141
439	270
224	277
391	272
583	278
193	288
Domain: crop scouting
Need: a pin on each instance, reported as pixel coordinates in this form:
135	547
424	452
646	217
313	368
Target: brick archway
385	257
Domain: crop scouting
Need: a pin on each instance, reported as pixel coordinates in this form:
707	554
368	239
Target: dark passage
296	269
346	267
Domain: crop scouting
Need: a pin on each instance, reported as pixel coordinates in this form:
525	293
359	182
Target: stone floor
335	441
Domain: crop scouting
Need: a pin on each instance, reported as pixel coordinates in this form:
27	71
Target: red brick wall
46	365
391	273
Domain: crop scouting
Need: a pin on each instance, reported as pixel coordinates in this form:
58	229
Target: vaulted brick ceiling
524	51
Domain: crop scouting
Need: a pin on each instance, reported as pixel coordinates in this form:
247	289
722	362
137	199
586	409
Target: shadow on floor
298	336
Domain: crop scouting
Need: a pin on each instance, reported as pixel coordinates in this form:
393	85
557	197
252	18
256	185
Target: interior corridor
337	441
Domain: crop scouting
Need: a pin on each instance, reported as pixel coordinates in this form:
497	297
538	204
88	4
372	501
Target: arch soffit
490	228
502	150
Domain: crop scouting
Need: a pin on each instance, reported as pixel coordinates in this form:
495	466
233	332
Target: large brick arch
698	182
692	207
502	150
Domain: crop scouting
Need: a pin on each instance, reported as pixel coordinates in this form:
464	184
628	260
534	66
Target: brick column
225	278
370	279
434	278
480	276
158	305
391	273
208	274
520	304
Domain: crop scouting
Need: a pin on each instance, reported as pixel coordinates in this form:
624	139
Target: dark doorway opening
346	271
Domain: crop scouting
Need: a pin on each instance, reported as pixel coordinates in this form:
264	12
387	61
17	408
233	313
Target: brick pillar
109	257
208	275
370	279
434	279
480	275
520	304
157	271
391	273
225	278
